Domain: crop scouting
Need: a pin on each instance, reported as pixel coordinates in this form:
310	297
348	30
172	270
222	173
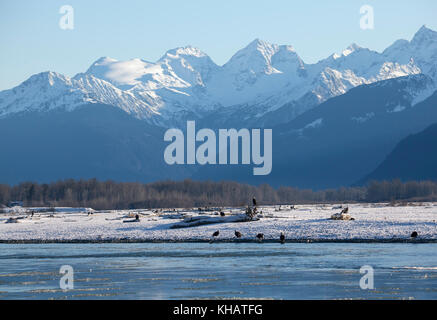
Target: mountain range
333	121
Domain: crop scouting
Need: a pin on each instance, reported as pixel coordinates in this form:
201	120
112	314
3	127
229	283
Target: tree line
183	194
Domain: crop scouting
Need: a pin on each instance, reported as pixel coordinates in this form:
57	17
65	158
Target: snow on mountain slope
258	79
267	77
422	49
178	68
255	73
357	66
49	91
176	82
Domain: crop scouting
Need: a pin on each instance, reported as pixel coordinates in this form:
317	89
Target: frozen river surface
219	270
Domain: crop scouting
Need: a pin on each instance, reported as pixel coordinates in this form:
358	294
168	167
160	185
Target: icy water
218	271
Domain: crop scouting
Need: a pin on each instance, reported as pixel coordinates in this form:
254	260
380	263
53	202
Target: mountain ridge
257	80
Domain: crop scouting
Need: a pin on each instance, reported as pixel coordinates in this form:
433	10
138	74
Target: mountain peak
425	29
184	51
257	50
264	47
103	61
255	58
424	34
352	48
258	43
47	76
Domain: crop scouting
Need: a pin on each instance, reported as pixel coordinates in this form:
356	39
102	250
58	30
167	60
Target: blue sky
32	42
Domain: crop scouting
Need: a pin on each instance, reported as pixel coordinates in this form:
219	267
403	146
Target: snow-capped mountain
48	91
257	81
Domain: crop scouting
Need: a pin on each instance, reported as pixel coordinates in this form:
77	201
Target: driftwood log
202	220
341	216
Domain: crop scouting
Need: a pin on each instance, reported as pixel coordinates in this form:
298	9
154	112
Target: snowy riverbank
373	222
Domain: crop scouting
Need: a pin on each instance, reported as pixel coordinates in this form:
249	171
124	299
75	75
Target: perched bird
260	236
345	210
214	235
222	214
237	234
282	238
254	202
137	217
414	234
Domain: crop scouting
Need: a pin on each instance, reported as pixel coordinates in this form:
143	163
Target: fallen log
341	216
202	220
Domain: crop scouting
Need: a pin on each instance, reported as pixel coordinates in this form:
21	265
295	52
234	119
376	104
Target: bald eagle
260	236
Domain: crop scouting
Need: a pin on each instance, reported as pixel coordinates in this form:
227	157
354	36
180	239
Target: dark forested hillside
414	158
113	195
332	145
343	139
93	141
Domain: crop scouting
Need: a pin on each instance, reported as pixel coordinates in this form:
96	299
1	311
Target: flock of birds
259	236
